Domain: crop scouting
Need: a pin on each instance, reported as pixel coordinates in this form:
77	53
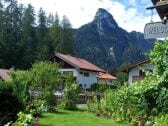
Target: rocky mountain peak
105	44
103	17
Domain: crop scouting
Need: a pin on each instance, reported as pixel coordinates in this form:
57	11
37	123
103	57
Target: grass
76	118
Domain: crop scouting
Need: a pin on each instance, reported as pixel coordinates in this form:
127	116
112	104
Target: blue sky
129	14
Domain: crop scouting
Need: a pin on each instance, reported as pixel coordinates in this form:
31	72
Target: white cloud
81	12
132	2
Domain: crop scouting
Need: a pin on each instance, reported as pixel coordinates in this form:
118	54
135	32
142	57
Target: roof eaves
67	61
92	70
127	69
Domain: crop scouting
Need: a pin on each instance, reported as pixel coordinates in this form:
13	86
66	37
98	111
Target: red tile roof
4	74
79	63
106	76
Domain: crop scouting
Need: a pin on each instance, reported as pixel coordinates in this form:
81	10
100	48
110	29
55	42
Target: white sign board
156	30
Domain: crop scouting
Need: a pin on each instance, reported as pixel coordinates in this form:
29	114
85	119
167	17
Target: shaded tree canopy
25	37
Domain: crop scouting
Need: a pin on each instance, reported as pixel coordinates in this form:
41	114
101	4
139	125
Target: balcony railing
137	78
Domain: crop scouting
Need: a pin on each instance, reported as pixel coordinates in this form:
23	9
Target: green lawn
76	118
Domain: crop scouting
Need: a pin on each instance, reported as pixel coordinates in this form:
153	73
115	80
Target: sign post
158	29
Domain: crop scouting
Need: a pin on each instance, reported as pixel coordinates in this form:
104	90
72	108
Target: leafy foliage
70	93
9	100
36	107
23	119
101	87
46	76
140	103
161	121
21	82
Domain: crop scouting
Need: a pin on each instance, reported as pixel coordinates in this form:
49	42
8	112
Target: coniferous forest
26	37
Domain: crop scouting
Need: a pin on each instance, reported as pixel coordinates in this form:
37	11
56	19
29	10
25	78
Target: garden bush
36	107
22	120
70	93
45	78
93	105
9	101
21	82
18	90
141	103
161	120
134	104
98	87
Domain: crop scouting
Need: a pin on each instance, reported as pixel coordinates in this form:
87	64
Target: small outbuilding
135	71
106	78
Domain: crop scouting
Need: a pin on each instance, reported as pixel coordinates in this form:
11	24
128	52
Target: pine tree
45	49
67	37
50	20
1	32
42	27
22	41
55	34
29	38
10	34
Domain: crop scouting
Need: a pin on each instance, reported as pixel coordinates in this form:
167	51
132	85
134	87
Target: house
135	71
4	74
106	78
84	72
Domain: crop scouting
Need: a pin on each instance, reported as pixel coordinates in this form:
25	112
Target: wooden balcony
137	78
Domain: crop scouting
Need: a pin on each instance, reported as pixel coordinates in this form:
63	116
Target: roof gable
79	63
128	68
106	76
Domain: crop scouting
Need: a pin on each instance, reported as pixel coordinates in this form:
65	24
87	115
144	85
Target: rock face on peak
104	18
105	44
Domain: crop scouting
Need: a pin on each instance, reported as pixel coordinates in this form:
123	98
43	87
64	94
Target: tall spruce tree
22	41
45	49
50	20
55	34
42	25
29	38
1	32
67	37
10	34
41	34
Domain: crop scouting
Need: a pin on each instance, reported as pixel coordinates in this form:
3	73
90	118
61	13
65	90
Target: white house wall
86	82
135	71
75	71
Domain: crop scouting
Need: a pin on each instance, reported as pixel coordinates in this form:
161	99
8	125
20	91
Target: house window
86	74
81	72
151	71
84	85
68	72
80	85
141	73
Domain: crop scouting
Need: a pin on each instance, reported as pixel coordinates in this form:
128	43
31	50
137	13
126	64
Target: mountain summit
105	44
104	18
